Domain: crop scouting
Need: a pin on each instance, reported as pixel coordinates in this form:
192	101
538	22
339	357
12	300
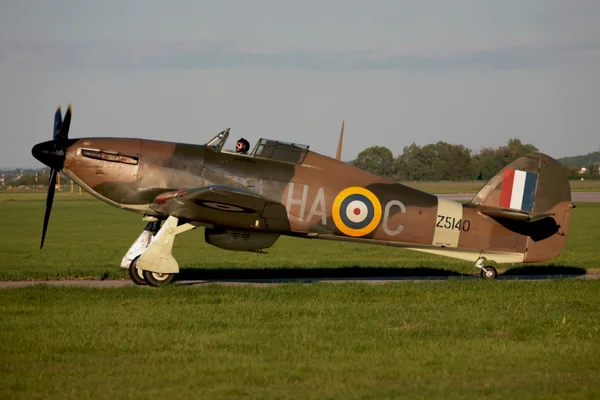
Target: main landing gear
137	248
157	279
487	272
149	259
136	275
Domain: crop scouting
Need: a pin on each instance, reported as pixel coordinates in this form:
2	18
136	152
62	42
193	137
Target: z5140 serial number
453	223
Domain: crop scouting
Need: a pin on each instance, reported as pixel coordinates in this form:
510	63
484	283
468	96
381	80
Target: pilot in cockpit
242	146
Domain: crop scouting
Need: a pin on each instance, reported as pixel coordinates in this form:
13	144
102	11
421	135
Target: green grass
446	339
26	195
87	239
453	339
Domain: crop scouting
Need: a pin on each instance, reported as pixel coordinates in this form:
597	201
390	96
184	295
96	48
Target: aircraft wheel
489	273
136	275
157	279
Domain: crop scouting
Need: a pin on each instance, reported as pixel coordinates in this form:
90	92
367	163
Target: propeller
53	153
49	201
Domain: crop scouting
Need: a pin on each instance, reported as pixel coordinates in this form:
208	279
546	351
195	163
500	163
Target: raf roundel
224	207
356	211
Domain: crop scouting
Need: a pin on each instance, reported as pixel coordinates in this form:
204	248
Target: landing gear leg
487	272
157	261
137	249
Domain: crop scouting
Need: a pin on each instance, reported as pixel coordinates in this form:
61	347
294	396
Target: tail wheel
136	275
157	279
488	273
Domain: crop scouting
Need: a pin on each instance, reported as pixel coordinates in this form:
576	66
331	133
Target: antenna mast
339	149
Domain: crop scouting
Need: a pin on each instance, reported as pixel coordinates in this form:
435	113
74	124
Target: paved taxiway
271	282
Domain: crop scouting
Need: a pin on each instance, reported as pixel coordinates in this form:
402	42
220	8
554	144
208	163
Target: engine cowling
237	240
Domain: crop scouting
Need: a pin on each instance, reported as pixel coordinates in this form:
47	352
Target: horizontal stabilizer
514	214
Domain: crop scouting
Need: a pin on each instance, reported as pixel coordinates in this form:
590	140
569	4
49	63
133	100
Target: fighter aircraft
245	202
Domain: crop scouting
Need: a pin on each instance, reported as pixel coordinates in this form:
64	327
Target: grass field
457	339
445	339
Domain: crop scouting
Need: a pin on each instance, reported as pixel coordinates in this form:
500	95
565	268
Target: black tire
156	279
489	273
136	275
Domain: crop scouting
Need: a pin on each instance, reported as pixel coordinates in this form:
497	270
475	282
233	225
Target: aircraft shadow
354	273
268	275
540	271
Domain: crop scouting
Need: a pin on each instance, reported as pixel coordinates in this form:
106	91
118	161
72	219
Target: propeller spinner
52	154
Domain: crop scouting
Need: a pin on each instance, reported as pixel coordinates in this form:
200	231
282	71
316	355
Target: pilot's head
242	146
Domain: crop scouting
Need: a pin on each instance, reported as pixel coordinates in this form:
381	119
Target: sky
468	72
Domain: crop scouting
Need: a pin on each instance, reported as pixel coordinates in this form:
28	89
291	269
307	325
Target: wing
224	206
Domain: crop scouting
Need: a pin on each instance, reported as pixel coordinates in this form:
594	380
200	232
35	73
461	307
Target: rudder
534	183
530	196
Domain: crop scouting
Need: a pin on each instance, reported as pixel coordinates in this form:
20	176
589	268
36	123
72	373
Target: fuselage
323	197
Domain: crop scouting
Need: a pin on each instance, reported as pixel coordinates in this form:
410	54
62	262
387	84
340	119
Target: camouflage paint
314	193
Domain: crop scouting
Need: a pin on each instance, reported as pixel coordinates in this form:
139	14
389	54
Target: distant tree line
447	162
26	180
30	180
582	161
440	161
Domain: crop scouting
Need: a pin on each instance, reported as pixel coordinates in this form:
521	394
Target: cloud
230	55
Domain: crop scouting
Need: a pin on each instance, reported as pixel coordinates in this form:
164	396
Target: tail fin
530	196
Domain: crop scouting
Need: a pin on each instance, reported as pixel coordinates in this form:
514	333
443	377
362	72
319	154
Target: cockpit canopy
265	148
280	151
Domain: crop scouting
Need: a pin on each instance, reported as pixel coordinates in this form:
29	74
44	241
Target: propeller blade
49	200
57	122
66	124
